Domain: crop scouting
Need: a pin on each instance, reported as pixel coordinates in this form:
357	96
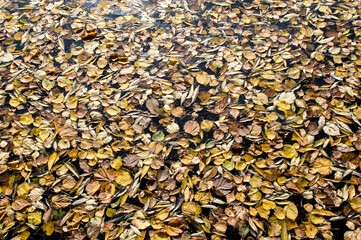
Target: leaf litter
189	119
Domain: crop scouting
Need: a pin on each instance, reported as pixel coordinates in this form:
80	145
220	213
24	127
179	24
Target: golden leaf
113	110
291	211
311	230
356	204
207	125
26	119
322	165
52	160
289	151
48	228
124	178
203	78
34	218
163	214
160	236
191	208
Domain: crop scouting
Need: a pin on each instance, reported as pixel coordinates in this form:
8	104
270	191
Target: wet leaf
34	218
158	136
192	127
191	208
291	211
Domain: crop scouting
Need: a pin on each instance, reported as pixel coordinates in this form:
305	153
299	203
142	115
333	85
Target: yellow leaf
141	223
102	63
23	189
289	151
322	212
173	231
160	236
116	163
260	99
268	205
191	208
26	119
291	211
255	181
113	110
14	102
322	165
311	230
34	218
207	125
294	73
123	178
52	159
203	78
279	213
48	84
270	134
316	219
48	228
162	215
356	204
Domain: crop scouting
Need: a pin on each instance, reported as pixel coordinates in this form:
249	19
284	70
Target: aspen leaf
291	211
207	125
26	119
331	129
48	84
322	165
356	204
158	136
203	78
52	160
113	110
289	151
14	102
124	178
34	218
192	127
311	230
160	236
48	228
191	208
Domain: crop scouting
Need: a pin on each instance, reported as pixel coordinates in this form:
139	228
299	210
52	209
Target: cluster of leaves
187	119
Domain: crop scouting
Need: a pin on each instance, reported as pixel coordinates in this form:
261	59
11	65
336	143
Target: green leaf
58	214
210	143
158	136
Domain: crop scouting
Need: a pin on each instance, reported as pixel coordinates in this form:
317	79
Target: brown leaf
20	203
60	201
130	161
152	104
222	186
192	127
68	133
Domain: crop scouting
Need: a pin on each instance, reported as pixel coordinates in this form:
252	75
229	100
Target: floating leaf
210	143
26	119
331	129
203	78
291	211
34	218
191	208
192	127
48	84
158	136
356	204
